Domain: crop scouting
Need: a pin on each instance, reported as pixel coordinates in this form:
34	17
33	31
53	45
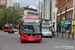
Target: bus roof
28	17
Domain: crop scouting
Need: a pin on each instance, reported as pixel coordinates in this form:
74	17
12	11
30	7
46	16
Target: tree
3	15
9	16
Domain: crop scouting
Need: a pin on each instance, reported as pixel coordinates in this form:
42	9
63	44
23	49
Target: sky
24	3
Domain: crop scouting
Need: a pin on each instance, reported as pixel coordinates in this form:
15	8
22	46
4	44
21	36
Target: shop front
73	26
68	26
62	23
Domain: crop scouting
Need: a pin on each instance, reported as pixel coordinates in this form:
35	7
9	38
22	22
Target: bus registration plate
31	39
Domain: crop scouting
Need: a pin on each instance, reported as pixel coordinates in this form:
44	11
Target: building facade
8	3
37	3
54	14
64	15
39	7
16	5
46	9
47	12
1	7
2	4
26	11
20	10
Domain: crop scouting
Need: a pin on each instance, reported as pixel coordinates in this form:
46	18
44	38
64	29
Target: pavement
65	37
12	42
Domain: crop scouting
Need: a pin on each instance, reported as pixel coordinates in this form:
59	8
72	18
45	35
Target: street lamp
41	9
57	23
73	18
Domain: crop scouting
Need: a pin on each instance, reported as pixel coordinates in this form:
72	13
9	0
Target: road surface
12	42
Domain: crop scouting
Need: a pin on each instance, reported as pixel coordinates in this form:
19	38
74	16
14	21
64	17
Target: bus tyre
50	36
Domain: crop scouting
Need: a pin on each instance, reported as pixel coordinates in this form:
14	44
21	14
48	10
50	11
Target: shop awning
67	25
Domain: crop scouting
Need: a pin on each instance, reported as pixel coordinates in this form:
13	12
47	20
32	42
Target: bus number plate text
31	39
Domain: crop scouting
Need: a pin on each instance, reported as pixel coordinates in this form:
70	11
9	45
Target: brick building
21	10
64	15
1	6
5	3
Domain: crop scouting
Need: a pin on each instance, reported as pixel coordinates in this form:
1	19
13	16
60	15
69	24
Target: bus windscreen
30	28
5	27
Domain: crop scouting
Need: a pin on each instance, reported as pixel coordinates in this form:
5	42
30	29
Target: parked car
2	28
46	32
11	30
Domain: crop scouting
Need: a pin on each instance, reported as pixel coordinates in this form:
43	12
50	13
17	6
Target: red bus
6	28
30	29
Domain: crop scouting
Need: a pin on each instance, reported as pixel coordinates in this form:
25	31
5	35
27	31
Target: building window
64	6
63	16
33	14
70	3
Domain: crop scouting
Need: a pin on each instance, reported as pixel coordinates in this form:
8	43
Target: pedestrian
53	32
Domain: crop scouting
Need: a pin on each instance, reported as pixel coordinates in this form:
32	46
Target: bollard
62	34
68	35
73	35
57	33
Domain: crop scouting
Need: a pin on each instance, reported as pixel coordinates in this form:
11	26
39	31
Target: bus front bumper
6	30
30	39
